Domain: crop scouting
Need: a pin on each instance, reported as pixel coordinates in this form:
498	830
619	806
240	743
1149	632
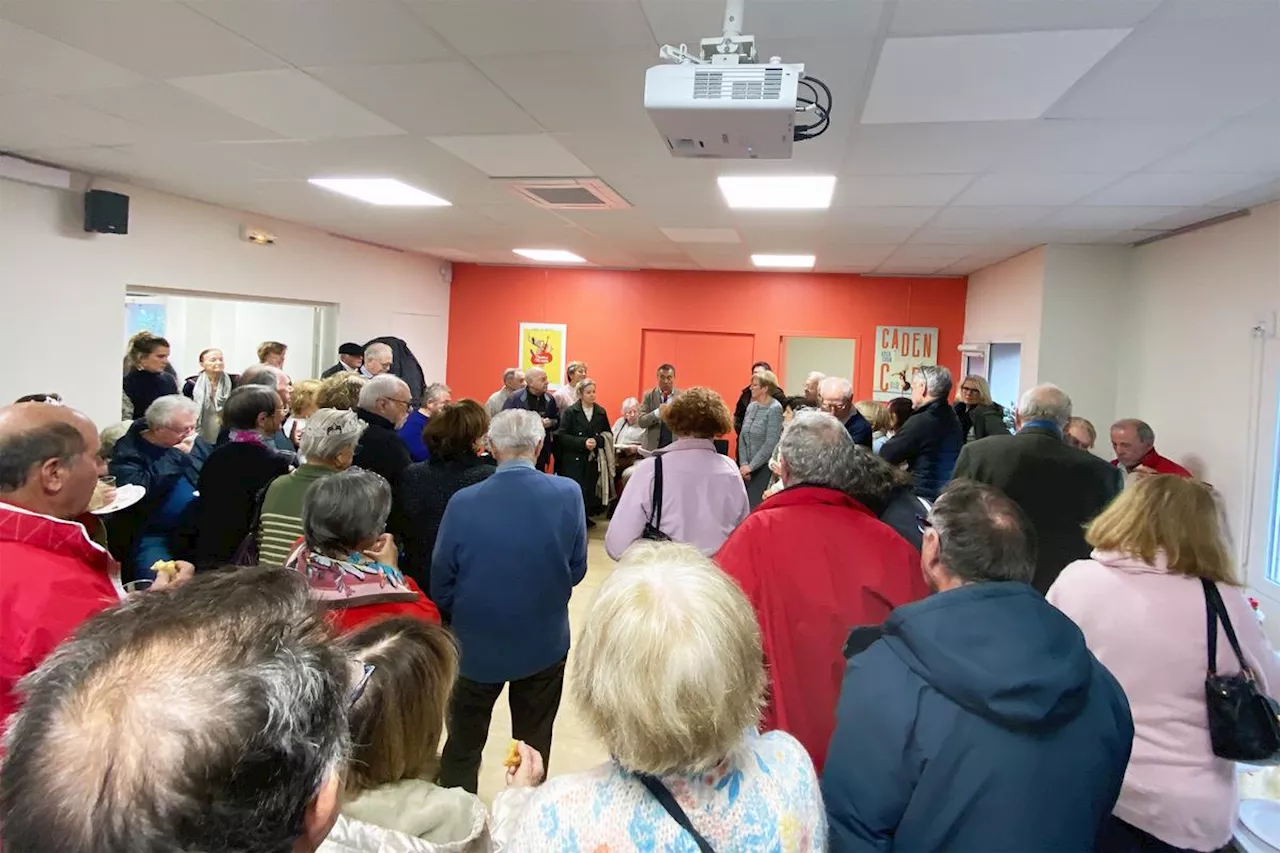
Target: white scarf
201	392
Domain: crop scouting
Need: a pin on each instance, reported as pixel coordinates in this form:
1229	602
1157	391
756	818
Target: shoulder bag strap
668	802
655	517
1218	610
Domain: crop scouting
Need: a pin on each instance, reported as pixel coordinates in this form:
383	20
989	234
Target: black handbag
654	523
668	803
1244	722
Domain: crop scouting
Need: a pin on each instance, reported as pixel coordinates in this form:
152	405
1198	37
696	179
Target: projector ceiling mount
722	103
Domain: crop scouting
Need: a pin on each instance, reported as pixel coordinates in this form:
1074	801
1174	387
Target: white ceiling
237	102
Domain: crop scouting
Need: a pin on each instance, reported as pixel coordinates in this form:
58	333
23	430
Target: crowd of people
920	624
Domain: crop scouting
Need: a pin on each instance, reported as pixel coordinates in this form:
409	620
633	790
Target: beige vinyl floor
573	747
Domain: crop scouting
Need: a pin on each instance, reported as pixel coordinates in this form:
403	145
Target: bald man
52	575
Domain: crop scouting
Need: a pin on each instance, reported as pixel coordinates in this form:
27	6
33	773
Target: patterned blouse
763	797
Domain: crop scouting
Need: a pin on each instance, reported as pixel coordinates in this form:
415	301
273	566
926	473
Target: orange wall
605	311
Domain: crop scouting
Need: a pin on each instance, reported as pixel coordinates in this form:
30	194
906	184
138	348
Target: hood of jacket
999	650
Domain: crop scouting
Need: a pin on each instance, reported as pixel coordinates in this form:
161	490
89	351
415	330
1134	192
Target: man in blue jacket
979	721
509	553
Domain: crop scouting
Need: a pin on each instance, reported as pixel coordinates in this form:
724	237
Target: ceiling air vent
741	83
569	194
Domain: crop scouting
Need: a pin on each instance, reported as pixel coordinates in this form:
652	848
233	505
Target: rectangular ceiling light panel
550	256
992	77
790	262
778	192
387	192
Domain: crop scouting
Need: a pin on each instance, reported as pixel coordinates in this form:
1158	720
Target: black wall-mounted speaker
106	212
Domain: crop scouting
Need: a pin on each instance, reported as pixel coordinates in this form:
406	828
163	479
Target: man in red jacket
52	575
1134	442
815	563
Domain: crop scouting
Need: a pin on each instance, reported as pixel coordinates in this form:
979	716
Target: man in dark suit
657	434
535	397
1059	487
350	357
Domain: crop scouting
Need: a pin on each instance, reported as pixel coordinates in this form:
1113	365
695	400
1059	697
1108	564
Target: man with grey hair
1134	442
535	397
436	396
162	454
276	379
378	358
1060	488
509	552
930	441
653	405
812	396
385	403
979	720
212	717
835	396
815	562
512	381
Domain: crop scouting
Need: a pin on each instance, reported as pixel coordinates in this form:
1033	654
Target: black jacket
902	512
405	365
381	450
425	490
744	400
335	370
978	722
1060	488
546	407
984	419
859	429
231	484
929	442
573	460
143	388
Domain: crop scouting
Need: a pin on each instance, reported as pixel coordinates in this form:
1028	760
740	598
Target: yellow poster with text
543	345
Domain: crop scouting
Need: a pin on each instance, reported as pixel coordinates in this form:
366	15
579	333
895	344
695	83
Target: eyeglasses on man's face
408	404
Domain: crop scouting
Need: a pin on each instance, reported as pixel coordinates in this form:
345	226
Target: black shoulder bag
1244	722
652	527
668	802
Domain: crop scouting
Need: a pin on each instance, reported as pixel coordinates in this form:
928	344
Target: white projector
739	112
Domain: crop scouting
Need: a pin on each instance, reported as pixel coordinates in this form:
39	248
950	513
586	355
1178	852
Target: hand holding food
528	770
170	573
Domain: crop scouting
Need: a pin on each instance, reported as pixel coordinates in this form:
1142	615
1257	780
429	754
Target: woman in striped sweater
328	445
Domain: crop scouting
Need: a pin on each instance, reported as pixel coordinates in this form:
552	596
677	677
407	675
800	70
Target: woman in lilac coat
703	496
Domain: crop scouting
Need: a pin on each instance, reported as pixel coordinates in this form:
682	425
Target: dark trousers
534	702
1116	836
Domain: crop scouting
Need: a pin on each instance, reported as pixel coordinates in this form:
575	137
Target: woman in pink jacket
1139	601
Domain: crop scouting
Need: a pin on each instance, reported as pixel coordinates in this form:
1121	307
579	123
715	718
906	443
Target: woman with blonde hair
669	673
148	375
340	391
579	445
1141	600
760	434
397	717
979	415
567	394
876	414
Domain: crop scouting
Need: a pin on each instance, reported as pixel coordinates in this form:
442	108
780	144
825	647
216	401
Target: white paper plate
1262	818
126	496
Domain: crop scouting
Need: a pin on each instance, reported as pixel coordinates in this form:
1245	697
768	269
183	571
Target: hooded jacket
980	721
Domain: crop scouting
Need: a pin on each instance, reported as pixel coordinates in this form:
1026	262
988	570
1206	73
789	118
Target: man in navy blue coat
535	397
509	553
835	395
979	721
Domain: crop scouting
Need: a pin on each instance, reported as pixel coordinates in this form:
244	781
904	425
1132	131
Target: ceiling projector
722	104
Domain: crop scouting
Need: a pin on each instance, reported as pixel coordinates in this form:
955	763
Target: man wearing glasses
385	404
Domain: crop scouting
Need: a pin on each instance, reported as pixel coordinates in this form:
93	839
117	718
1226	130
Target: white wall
62	290
1003	304
1188	365
1084	314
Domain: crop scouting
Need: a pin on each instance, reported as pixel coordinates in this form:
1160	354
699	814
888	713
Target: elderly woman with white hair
630	439
669	673
328	445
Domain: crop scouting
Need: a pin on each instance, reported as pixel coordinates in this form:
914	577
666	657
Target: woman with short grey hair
348	558
328	445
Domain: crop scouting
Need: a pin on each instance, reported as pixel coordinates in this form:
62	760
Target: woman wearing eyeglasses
979	416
